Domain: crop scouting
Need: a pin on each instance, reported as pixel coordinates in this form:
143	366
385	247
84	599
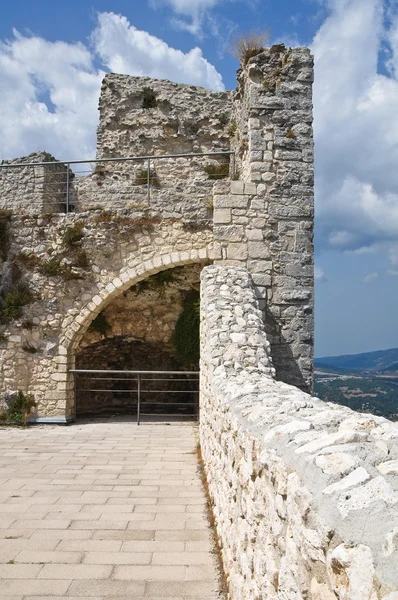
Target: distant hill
392	368
381	360
365	382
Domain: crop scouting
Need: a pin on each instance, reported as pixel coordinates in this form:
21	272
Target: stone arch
127	277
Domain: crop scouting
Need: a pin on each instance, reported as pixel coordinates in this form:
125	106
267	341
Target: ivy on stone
186	334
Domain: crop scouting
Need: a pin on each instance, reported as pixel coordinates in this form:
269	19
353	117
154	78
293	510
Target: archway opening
152	326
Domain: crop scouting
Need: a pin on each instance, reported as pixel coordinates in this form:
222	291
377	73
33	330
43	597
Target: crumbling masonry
307	506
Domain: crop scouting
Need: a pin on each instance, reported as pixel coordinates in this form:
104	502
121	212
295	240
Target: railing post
149	179
233	161
67	187
75	377
138	398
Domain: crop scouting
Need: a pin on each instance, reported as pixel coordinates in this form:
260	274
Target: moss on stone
186	335
13	303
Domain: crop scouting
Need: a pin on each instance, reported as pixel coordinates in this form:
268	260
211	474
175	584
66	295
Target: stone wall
307	504
137	334
141	116
149	311
264	221
34	190
260	218
71	283
158	396
262	215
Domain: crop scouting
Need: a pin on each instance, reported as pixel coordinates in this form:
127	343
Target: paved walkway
104	511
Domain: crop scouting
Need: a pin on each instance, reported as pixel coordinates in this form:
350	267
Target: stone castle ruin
99	271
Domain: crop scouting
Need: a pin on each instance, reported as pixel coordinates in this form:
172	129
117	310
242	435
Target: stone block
298	270
254	234
229	233
237	187
222	215
259	266
260	279
258	250
237	251
258	204
250	188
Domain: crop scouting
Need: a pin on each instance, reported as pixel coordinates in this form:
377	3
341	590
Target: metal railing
139	379
58	180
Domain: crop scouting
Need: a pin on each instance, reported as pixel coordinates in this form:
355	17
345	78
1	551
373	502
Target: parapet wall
264	221
39	189
258	216
306	506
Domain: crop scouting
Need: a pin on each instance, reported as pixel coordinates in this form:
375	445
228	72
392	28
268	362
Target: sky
54	55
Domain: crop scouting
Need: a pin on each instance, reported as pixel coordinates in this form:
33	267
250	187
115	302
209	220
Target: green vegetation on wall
13	303
19	407
156	283
216	172
186	334
5	216
100	325
73	234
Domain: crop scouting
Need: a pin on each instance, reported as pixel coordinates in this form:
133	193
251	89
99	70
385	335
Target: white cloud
125	49
356	129
192	11
196	16
319	274
49	90
32	69
393	254
392	272
370	277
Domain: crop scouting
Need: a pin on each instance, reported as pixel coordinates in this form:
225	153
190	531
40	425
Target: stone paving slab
104	511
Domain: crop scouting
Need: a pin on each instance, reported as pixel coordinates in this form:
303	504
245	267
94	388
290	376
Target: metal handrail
117	159
139	379
147	158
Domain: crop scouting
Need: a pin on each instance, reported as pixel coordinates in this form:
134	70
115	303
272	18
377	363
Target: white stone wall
305	492
264	221
33	189
184	119
120	251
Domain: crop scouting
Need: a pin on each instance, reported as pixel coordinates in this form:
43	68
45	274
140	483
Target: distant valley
365	382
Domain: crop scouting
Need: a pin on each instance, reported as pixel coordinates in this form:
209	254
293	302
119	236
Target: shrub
19	408
14	302
100	325
99	169
5	216
54	268
156	283
105	216
29	261
141	178
194	128
149	99
232	129
217	171
51	267
186	334
29	348
246	45
73	235
27	324
81	260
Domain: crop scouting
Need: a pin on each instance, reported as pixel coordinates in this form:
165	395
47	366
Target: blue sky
53	57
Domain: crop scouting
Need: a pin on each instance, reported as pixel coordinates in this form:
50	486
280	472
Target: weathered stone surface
301	509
